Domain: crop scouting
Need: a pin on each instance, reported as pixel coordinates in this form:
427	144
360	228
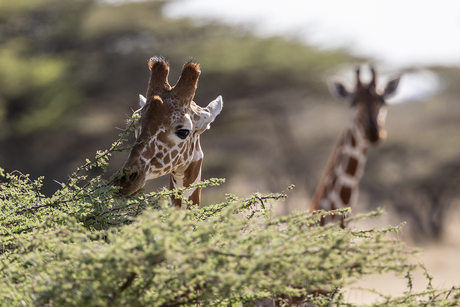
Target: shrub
87	246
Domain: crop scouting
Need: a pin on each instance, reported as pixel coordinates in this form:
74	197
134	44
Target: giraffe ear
214	108
142	100
337	89
208	114
391	87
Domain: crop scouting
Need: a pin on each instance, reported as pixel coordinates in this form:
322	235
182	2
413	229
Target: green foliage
258	57
87	246
54	54
70	69
36	90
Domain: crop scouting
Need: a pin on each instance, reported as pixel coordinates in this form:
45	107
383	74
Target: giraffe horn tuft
358	80
159	71
186	86
374	77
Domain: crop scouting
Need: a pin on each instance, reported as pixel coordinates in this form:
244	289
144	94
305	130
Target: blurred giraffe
168	133
339	185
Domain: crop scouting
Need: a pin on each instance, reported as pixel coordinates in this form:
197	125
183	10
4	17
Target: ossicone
374	77
186	86
358	79
159	71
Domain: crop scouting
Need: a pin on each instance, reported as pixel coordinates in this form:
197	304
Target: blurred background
71	72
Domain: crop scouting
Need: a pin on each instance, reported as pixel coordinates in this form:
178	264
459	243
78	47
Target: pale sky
398	33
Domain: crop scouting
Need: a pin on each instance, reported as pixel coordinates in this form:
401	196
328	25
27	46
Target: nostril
132	176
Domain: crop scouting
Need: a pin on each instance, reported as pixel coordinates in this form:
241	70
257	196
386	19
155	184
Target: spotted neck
339	186
186	176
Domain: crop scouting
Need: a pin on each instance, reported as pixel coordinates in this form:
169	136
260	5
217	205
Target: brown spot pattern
352	166
192	172
345	195
196	198
353	141
167	159
176	160
156	163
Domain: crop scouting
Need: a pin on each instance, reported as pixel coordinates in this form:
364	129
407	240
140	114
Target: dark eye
182	133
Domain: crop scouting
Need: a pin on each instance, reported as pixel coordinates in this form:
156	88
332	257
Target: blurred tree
70	70
37	92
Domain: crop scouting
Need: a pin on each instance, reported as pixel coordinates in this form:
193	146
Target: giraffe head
368	105
167	133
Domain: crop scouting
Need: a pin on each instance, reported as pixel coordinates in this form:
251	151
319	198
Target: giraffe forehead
166	115
368	105
367	95
179	115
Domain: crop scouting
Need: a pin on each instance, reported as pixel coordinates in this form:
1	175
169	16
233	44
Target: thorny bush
88	246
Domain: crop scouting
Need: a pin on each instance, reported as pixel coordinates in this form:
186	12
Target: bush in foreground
87	246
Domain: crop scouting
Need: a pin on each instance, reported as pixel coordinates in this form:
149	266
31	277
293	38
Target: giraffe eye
182	133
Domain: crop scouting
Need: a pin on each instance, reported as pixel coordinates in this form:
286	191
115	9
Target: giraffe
168	133
339	185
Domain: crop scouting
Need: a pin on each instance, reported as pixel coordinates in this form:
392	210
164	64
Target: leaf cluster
87	246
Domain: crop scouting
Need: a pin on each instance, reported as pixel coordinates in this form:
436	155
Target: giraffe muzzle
373	133
131	182
374	137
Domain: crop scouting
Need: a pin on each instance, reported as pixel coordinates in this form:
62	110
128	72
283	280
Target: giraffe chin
126	192
378	139
129	188
134	193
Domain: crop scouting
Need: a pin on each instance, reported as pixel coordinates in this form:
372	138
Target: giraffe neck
187	176
339	186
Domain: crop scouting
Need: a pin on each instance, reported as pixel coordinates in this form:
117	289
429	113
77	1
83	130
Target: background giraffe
339	185
168	132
